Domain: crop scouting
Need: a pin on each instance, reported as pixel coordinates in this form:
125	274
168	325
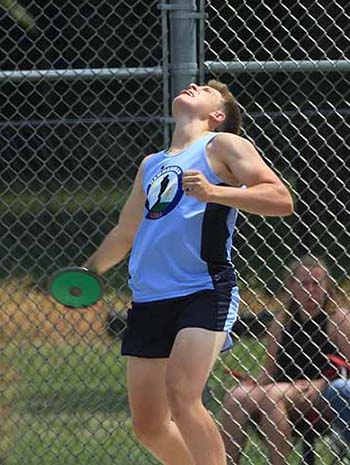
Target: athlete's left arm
265	194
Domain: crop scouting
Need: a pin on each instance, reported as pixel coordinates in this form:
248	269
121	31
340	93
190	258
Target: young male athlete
178	222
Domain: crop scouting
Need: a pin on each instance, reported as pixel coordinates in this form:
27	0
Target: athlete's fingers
190	188
195	182
191	181
188	173
192	177
189	184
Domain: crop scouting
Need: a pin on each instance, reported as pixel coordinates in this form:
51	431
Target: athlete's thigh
192	357
146	389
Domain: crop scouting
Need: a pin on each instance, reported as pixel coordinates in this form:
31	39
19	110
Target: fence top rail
277	66
84	73
143	72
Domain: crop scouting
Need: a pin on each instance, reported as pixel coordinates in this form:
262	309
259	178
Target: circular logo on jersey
164	192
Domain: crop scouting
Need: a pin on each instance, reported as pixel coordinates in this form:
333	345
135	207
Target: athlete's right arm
119	240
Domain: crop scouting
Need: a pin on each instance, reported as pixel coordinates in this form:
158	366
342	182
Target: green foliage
19	14
47	230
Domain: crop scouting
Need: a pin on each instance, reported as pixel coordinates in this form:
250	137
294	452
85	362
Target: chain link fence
85	89
289	65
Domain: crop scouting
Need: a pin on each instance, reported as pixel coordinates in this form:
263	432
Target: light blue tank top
180	240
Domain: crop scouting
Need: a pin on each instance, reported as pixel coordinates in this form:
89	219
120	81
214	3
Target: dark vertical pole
183	44
165	68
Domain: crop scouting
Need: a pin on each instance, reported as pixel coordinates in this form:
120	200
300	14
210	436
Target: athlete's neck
184	136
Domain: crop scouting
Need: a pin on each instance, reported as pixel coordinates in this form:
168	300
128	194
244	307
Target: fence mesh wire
71	139
281	60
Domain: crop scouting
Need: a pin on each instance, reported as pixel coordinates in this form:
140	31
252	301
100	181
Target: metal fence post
183	48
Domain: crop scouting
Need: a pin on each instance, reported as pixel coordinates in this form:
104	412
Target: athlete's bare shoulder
242	160
226	144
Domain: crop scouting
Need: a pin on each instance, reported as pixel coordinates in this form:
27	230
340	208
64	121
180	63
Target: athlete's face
200	101
309	288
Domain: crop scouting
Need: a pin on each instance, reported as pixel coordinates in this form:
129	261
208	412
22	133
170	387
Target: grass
71	406
63	384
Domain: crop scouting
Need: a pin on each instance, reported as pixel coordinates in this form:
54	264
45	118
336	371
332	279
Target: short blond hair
233	119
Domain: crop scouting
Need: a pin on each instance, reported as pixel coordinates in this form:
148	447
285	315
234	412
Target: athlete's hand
195	184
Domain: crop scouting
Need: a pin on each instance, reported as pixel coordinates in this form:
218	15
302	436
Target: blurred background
86	91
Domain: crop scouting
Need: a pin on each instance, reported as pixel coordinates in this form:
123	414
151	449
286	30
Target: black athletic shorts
152	326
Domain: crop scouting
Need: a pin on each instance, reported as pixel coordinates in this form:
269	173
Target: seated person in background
298	376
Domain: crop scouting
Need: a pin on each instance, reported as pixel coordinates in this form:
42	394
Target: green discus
76	287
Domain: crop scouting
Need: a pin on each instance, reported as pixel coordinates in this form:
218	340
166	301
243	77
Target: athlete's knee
182	398
148	430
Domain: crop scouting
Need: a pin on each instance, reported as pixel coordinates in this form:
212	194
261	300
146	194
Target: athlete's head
213	103
233	117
